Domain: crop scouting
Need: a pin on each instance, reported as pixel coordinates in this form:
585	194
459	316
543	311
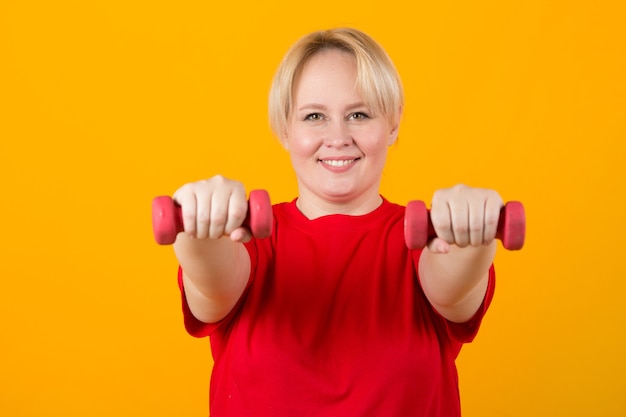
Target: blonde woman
333	315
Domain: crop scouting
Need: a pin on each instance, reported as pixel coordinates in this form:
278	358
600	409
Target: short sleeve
197	328
194	327
466	332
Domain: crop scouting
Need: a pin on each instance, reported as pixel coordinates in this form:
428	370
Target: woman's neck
313	207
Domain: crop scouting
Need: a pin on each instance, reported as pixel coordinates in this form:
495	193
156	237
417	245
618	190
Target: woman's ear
393	135
282	132
284	141
395	126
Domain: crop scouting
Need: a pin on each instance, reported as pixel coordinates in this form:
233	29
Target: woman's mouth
338	163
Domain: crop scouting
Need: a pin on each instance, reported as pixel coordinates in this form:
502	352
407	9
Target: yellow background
106	104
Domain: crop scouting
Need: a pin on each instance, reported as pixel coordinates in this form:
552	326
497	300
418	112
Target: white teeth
338	163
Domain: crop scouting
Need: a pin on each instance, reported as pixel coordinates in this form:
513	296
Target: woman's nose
337	135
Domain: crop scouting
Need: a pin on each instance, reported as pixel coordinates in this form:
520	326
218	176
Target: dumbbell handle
167	219
419	230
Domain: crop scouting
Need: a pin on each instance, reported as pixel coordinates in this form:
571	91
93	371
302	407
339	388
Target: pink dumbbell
418	229
167	219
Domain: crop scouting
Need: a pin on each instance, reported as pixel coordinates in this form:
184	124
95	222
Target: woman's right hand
214	208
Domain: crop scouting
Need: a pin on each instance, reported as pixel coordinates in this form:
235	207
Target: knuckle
492	221
220	182
189	217
216	231
203	216
218	220
439	220
218	179
218	223
461	230
238	213
475	229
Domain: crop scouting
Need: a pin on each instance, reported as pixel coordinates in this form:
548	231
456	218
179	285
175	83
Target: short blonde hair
377	81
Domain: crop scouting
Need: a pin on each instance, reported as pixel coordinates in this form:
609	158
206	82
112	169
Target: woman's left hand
464	216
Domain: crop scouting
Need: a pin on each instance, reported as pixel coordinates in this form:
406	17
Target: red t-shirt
334	323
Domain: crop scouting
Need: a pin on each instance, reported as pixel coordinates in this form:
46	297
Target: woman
333	315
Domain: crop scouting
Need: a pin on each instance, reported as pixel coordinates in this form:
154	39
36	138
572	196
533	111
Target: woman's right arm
215	263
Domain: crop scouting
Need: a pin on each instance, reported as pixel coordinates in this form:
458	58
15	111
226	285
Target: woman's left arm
454	268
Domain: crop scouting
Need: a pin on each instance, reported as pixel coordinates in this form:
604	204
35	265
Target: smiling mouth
338	162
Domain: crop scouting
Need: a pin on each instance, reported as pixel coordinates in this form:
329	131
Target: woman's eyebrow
312	106
318	106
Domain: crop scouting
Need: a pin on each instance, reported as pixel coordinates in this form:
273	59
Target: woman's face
338	147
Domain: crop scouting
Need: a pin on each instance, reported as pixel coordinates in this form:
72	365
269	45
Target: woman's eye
313	117
359	116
